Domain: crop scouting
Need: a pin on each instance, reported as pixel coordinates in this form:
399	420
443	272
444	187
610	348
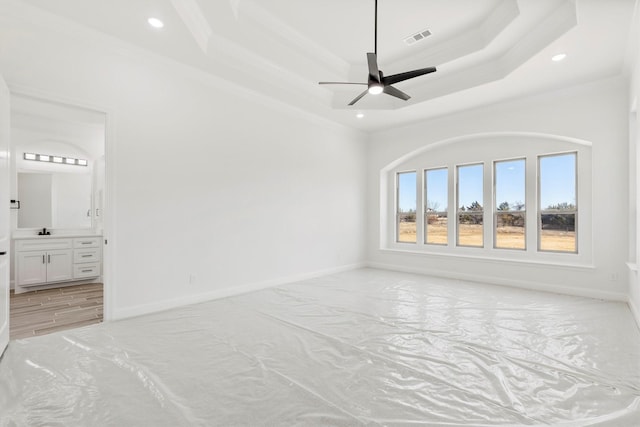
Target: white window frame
573	211
497	212
397	207
458	211
426	213
487	149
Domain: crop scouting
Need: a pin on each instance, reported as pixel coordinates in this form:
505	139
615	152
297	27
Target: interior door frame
108	243
5	122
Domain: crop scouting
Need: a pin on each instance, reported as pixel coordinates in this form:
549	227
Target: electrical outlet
613	277
192	279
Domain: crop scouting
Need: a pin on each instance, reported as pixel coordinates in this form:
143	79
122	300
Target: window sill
492	259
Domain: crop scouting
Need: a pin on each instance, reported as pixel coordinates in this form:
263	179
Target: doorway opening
57	188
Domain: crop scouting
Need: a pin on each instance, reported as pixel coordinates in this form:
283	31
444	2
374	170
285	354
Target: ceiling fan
377	82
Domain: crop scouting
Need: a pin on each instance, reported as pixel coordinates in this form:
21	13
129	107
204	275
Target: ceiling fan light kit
375	89
377	82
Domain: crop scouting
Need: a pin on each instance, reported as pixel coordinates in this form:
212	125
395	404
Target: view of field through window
558	202
470	210
436	208
509	220
557	199
406	204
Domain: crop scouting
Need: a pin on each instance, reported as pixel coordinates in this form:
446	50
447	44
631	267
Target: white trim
494	260
481	135
142	309
635	311
521	284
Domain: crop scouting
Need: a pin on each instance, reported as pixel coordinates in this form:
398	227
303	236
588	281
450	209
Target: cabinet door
59	265
32	268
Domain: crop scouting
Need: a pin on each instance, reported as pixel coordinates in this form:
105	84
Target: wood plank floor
51	310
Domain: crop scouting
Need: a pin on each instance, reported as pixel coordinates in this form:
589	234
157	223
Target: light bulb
376	89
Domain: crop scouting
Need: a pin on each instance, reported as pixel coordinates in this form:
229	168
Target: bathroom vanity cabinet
46	260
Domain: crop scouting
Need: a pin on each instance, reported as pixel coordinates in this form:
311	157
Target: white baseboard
516	283
153	307
142	309
635	310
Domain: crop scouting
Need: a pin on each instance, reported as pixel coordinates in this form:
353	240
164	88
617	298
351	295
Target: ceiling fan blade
340	83
359	97
395	78
374	73
390	90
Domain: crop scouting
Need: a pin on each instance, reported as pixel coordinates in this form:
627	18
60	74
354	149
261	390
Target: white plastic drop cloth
365	347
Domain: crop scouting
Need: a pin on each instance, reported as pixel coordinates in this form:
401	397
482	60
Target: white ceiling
485	50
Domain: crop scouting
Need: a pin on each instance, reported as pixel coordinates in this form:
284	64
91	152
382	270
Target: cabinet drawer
86	270
86	242
86	255
44	244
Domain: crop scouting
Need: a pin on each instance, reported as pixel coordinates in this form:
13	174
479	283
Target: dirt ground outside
507	237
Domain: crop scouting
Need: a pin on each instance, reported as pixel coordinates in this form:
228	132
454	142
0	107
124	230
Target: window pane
436	226
558	203
558	232
436	206
470	229
558	182
510	185
510	232
510	204
470	196
406	207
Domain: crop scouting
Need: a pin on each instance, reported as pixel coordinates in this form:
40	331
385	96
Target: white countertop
55	236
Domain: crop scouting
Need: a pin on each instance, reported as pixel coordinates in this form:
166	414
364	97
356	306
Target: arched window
500	195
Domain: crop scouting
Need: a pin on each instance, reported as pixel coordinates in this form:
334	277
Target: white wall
595	113
207	180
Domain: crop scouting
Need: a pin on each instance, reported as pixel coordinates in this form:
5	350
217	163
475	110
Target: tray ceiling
485	51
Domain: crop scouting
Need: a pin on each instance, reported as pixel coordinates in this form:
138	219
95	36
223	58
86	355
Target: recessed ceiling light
360	115
155	23
559	57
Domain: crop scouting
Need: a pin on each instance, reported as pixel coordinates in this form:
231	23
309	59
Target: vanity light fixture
55	159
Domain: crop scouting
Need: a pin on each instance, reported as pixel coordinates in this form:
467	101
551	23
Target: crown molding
194	19
272	85
288	36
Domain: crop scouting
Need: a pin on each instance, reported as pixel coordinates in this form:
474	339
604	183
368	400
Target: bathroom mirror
54	200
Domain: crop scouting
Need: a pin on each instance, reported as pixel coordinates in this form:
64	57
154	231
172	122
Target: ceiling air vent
421	35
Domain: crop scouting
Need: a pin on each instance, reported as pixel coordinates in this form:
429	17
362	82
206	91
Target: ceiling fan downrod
377	82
